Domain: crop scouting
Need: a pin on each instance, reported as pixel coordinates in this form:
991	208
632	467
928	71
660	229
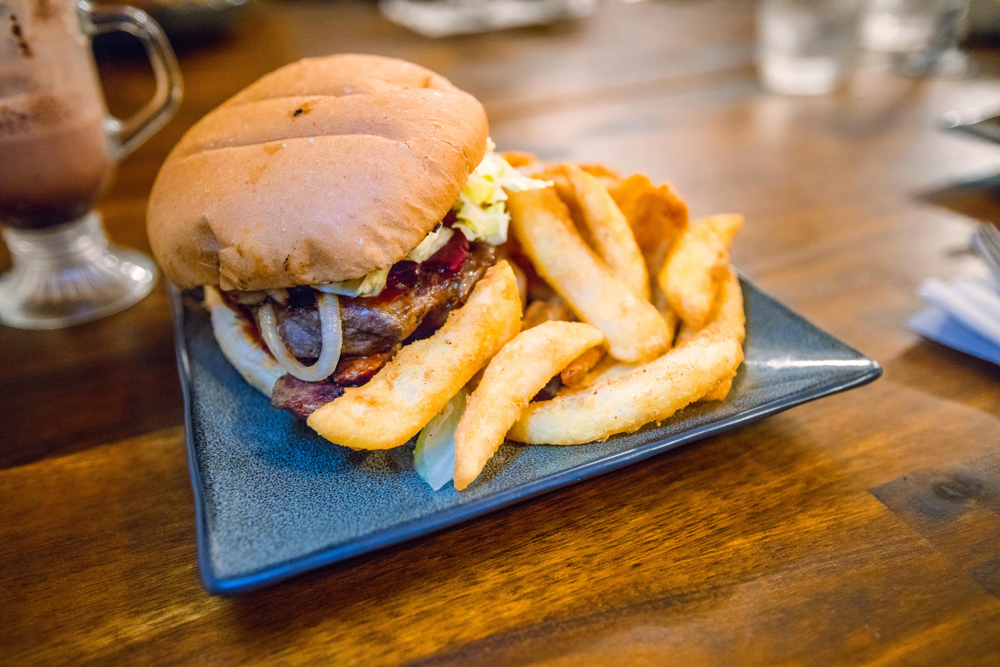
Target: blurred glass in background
805	47
923	35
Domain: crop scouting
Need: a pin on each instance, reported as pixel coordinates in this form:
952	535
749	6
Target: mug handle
127	135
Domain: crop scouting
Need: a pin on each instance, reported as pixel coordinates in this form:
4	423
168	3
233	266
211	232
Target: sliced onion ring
329	317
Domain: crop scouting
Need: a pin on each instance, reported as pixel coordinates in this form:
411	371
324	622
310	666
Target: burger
333	211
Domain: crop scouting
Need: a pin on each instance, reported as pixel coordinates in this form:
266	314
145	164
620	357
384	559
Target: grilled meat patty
374	325
415	302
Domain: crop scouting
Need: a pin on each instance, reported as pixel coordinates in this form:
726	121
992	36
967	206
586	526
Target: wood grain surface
862	529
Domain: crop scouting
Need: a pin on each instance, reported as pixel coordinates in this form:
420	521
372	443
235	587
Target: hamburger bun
324	170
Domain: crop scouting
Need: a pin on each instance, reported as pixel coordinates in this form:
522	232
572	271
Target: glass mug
58	149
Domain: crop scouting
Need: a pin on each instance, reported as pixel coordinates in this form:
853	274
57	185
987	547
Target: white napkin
963	314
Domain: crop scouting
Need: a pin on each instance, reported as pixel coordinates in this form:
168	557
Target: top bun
324	170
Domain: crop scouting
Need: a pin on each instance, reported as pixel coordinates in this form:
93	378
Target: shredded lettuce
479	210
434	456
431	244
373	283
369	285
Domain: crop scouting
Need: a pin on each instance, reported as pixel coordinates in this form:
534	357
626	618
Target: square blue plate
274	499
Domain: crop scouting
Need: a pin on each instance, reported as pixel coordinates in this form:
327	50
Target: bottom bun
255	364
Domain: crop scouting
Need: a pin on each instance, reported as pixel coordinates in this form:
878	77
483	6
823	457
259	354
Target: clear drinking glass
922	34
58	149
804	47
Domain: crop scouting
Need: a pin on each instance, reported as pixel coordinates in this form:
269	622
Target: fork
986	244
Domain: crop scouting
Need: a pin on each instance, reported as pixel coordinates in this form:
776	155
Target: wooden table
861	529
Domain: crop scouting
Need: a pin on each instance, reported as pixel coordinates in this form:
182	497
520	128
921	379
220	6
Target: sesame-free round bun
324	170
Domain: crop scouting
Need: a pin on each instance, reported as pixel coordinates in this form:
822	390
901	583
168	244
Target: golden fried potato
670	316
520	159
607	175
727	317
541	222
518	372
652	292
696	265
395	404
656	215
727	320
652	392
565	189
534	287
606	368
608	231
720	392
553	310
577	370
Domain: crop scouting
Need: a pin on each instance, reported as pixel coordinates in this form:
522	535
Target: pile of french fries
606	286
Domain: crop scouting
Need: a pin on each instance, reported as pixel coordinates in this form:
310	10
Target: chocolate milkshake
58	148
54	160
54	154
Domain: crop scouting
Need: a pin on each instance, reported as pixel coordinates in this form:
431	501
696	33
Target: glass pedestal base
70	274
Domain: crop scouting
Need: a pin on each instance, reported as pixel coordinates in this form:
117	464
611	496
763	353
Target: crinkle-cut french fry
652	392
607	229
402	397
634	329
696	265
517	372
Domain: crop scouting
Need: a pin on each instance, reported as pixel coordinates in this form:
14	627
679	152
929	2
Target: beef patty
415	302
413	292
